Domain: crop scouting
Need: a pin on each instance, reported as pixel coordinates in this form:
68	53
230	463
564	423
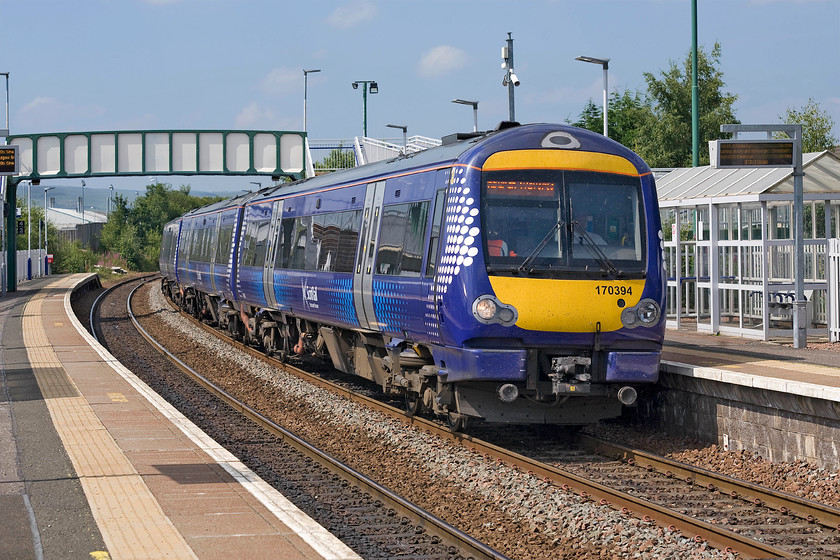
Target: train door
211	252
271	251
429	286
363	276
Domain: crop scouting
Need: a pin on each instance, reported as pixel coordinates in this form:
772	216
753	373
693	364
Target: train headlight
645	313
487	309
648	311
628	318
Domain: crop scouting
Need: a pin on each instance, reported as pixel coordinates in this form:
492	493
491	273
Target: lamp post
605	64
110	198
46	240
83	203
374	88
404	131
475	110
509	80
305	80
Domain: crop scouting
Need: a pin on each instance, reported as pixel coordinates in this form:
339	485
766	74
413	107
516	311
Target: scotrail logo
310	296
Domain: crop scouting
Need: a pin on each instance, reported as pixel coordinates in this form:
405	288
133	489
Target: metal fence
31	264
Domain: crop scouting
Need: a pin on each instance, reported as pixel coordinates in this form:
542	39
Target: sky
91	65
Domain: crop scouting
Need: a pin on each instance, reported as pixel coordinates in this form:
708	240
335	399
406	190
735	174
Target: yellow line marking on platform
129	518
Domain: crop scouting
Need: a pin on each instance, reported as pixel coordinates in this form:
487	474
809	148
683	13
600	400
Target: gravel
516	513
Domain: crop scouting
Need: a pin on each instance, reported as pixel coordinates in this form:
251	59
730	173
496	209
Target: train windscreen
563	221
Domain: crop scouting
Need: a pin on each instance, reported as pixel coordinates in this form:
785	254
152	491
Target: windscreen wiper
606	264
523	268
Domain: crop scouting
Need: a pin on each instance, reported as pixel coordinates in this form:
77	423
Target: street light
475	110
83	203
605	63
305	80
110	198
405	133
46	241
374	88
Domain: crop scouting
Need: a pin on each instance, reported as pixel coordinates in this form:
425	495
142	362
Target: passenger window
402	233
434	239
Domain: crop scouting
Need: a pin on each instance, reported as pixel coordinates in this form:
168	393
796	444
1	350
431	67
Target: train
509	276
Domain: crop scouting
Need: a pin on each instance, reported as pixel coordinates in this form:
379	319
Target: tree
135	232
627	112
816	126
339	158
665	140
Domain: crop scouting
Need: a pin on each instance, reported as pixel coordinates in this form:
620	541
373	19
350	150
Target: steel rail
787	504
433	525
715	535
94	308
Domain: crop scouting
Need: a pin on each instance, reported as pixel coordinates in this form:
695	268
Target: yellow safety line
129	518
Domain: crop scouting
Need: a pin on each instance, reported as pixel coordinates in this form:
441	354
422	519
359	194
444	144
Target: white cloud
352	14
442	60
257	116
50	113
254	116
281	81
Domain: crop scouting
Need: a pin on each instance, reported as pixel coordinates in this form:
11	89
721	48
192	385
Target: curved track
380	523
754	521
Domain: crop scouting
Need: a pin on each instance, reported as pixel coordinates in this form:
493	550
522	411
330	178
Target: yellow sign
8	160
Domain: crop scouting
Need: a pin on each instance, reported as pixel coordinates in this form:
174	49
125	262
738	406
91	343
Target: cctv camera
514	79
504	81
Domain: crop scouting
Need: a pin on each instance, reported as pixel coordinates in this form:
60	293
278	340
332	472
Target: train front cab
572	312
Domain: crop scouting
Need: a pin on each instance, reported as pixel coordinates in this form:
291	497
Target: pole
606	101
695	91
4	252
46	229
800	336
364	109
29	232
510	81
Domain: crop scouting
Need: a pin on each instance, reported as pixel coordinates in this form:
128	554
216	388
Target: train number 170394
604	290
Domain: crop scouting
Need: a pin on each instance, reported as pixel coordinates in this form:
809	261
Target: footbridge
145	152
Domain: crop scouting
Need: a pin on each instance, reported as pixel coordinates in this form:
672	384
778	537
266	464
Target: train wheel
413	403
456	422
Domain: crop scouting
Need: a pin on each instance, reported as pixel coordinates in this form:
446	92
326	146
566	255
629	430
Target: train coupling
570	374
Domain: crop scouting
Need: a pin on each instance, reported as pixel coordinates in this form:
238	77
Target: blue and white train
514	275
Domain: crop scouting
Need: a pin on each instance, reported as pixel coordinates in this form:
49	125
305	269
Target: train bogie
514	276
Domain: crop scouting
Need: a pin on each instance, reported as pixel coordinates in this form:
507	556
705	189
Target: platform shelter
729	248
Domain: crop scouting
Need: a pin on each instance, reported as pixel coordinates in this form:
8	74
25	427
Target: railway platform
93	464
766	398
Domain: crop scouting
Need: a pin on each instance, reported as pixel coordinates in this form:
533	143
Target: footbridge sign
159	152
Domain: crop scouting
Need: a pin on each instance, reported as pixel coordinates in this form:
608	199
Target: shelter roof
822	176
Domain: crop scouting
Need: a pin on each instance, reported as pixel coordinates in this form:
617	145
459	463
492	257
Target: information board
751	153
8	160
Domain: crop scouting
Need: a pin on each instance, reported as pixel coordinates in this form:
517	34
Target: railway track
372	520
725	513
